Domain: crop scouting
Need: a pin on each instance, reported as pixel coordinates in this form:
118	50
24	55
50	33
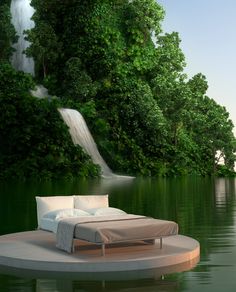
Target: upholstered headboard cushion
47	204
89	202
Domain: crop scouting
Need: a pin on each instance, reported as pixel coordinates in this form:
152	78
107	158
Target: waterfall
81	135
22	12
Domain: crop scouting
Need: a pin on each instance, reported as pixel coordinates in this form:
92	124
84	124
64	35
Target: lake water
205	209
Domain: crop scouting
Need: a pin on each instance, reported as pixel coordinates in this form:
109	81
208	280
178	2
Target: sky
207	29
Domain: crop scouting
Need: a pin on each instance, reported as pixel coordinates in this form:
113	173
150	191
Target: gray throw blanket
108	229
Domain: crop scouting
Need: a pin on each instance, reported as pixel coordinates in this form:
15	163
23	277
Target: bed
89	218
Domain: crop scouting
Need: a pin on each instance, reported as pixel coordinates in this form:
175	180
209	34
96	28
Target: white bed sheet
49	224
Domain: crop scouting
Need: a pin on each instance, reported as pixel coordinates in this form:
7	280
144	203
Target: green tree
209	126
44	47
7	31
146	116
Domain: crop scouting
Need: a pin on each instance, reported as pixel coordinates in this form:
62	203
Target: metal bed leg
103	249
161	243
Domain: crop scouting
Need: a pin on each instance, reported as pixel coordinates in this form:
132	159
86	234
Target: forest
111	61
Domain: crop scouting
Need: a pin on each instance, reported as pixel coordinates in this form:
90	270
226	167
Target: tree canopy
7	31
110	60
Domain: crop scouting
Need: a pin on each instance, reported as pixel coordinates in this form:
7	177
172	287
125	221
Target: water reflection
107	185
148	286
205	209
224	189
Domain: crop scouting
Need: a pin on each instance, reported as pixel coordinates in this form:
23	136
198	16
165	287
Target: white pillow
65	213
47	204
89	202
106	211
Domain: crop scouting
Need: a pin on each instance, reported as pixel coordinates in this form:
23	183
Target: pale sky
207	29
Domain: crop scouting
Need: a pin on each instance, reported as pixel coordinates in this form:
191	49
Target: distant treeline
111	61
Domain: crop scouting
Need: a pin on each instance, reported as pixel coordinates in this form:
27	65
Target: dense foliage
110	60
34	140
7	31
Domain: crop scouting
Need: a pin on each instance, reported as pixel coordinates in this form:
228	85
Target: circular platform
36	251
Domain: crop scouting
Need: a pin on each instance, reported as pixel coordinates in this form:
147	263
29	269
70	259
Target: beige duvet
112	229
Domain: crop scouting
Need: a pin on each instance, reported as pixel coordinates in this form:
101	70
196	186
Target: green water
204	208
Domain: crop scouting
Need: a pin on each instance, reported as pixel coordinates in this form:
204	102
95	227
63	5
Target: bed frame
150	241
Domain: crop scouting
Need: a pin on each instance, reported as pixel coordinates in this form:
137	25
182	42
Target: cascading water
81	135
22	12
